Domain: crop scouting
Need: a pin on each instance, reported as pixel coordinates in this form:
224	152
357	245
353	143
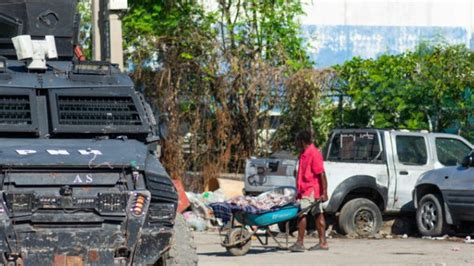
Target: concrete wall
337	30
329	45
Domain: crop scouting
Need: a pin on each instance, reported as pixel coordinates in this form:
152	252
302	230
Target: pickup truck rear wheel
430	216
360	216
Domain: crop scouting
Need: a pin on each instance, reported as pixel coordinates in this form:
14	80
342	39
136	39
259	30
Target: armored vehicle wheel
235	235
430	216
183	249
360	216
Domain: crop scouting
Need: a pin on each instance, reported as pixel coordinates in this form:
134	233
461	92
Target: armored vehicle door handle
403	172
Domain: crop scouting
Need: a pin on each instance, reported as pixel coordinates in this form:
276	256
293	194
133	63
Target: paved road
411	251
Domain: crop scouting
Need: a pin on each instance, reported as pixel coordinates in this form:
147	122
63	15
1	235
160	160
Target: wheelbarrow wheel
236	235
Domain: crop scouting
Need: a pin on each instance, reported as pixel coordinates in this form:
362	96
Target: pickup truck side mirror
468	161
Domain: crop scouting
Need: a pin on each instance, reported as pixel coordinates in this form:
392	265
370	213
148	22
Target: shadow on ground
252	251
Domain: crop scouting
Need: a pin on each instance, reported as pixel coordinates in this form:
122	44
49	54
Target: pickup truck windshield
451	151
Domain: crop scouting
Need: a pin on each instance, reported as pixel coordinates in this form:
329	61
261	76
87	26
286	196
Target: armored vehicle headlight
138	204
112	202
3	64
2	209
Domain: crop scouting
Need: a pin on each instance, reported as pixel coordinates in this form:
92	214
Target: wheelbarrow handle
318	201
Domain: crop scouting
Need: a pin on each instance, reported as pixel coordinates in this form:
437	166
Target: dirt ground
410	251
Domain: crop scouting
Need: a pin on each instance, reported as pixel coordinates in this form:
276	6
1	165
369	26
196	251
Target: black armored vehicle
81	183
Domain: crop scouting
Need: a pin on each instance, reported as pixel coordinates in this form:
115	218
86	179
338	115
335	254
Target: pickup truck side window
411	150
451	151
355	147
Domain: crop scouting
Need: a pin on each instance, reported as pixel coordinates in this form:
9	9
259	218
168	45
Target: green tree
305	106
268	29
429	88
84	8
260	42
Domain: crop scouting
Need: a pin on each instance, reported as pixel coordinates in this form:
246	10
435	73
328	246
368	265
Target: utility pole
472	27
115	38
96	40
107	30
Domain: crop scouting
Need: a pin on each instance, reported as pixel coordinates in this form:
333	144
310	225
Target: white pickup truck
369	172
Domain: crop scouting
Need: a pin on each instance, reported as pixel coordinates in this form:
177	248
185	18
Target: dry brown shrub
303	93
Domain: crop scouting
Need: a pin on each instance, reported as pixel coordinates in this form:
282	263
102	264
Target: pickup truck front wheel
360	216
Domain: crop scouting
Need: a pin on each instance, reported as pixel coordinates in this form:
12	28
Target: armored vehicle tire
235	235
361	217
430	216
183	249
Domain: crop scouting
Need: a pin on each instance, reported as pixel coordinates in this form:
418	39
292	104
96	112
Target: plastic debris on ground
201	217
195	222
436	238
211	197
468	240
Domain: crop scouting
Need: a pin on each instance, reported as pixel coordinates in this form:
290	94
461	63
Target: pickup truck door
459	193
411	159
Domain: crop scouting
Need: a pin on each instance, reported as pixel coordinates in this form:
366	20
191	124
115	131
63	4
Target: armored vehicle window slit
101	112
18	112
87	110
15	110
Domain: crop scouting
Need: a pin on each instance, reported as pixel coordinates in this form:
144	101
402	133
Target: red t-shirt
311	166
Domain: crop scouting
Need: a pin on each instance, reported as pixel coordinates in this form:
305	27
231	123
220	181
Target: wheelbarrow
245	225
238	239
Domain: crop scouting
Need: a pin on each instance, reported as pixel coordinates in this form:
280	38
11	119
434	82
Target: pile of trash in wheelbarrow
249	216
